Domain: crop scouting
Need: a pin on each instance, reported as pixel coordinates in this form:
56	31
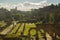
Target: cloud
25	6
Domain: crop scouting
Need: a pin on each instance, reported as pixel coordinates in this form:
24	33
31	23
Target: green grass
33	32
26	31
2	23
20	29
13	34
27	27
15	28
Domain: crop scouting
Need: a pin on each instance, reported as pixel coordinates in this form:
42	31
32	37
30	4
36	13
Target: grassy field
27	27
19	28
16	30
2	23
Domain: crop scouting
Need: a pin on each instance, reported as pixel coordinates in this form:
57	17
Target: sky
26	5
18	1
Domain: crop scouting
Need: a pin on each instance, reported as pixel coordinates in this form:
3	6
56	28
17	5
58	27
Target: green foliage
47	14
